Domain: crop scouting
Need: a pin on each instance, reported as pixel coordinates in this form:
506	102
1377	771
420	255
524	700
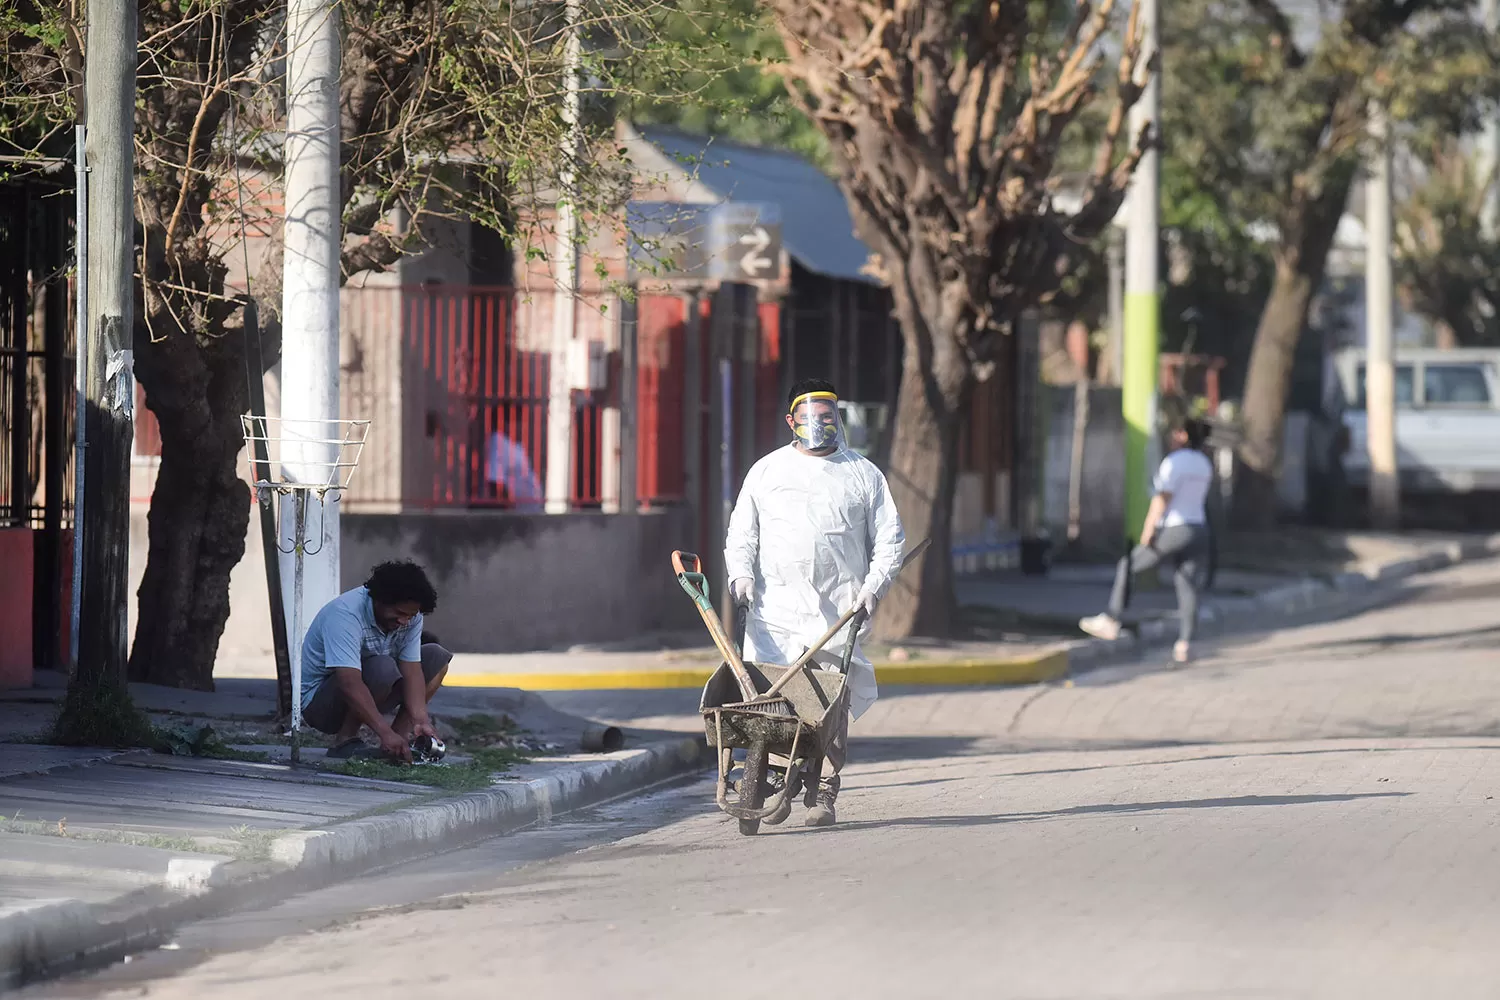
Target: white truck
1447	418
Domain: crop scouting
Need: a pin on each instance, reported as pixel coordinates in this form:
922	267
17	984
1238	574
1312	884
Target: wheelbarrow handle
855	624
855	615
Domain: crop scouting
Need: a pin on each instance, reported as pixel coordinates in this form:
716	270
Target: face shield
815	421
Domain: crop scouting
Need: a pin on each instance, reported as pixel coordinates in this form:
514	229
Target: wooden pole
109	380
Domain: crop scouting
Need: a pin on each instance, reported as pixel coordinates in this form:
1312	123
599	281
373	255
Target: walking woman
1176	531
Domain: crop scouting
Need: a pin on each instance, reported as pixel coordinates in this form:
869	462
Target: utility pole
1489	142
310	301
1115	258
1380	369
1142	296
564	298
108	273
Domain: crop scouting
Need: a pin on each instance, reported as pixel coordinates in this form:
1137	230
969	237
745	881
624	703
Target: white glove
740	589
868	602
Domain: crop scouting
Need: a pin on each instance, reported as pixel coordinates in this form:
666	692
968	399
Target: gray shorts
382	676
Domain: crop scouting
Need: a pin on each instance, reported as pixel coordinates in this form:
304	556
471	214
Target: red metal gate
661	338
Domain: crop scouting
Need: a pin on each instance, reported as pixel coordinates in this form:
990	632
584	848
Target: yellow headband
810	396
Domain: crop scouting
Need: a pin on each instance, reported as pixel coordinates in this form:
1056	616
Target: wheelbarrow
765	710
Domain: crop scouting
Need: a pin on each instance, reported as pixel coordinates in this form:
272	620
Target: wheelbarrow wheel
753	787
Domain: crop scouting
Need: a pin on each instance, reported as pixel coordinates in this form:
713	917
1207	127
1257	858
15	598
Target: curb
1058	661
1027	668
56	938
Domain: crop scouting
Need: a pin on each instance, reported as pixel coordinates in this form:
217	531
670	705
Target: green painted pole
1142	295
1138	393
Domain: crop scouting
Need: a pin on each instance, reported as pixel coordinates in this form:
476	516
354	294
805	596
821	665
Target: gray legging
1186	547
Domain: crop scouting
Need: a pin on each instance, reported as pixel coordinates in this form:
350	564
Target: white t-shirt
1187	475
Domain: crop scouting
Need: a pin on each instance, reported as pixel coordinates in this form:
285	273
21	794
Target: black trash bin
1036	556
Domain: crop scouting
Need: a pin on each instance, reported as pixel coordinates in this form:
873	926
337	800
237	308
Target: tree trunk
923	476
923	473
200	508
1300	265
1266	388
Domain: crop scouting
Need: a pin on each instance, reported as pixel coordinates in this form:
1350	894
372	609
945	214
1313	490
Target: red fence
467	397
661	340
456	384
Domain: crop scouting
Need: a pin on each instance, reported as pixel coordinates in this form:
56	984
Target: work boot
823	813
775	783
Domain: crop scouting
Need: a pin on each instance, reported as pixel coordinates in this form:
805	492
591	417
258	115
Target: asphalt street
1310	813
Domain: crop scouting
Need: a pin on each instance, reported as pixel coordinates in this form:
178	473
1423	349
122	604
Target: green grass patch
499	759
483	728
100	716
478	773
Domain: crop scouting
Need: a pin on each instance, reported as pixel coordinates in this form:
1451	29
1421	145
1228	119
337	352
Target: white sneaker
1101	627
1182	653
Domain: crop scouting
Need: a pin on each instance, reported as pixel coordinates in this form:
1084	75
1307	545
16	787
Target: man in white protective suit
813	534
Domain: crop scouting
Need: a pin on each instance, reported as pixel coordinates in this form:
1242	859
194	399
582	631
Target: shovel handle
688	568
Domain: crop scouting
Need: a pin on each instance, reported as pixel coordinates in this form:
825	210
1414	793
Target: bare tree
946	120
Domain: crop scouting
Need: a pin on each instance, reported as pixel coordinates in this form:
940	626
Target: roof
816	227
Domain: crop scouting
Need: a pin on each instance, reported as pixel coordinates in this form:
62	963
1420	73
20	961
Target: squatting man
364	658
813	534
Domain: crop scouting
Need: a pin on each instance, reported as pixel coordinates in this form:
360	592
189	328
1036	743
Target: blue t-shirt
344	633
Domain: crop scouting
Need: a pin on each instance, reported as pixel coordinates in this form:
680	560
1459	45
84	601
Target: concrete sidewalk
101	850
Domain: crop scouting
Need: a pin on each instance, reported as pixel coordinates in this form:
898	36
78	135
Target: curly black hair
399	582
806	386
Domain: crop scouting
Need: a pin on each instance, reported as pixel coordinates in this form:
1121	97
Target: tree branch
1282	39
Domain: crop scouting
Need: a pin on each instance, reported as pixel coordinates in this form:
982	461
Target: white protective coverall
813	532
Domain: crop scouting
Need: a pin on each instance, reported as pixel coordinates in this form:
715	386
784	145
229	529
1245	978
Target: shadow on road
1112	808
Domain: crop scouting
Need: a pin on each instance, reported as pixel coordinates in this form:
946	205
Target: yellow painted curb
587	680
1034	669
1020	670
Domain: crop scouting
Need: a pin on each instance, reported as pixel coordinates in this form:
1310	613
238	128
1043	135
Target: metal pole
270	553
1380	370
630	324
310	291
48	592
696	346
109	382
564	312
299	583
1142	294
726	474
1489	143
80	368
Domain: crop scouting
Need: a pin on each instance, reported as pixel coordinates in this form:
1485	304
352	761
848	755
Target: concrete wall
1102	502
516	582
506	582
